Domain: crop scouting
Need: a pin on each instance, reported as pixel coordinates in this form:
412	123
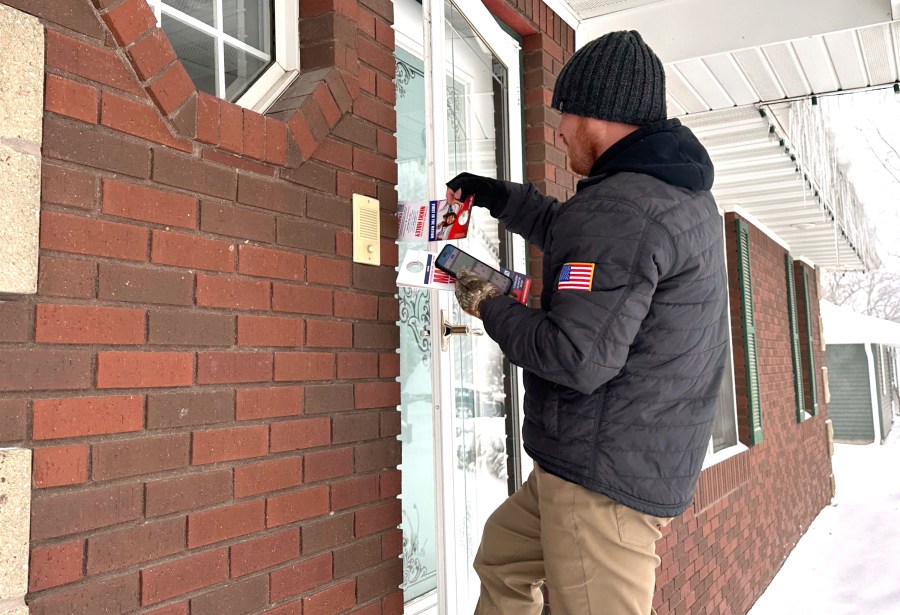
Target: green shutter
795	336
753	401
814	399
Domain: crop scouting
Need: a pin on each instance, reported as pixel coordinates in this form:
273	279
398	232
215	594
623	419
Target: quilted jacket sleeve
582	340
526	212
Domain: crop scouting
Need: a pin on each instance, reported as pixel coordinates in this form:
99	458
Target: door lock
448	330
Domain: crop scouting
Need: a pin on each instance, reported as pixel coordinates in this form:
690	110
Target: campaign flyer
418	270
438	220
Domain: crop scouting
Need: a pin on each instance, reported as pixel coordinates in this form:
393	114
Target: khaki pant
597	556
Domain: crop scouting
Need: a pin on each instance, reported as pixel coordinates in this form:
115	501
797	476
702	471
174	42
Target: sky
847	562
867	130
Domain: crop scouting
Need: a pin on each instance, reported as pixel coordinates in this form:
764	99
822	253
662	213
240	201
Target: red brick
291	507
81	324
230	444
300	366
269	331
378	582
387	144
184	575
327	105
267	193
254	135
235	161
67	233
328	398
271	263
305	234
116	595
92	62
377	394
134	545
125	370
228	367
71	98
303	136
349	560
355	306
357	365
151	54
300	434
323	465
330	533
269	402
191	251
87	416
276	142
68	187
267	476
82	510
332	600
392	544
132	284
139	456
244	596
55	466
211	526
190	328
389	365
389	484
237	222
30	369
228	292
301	299
378	455
138	119
335	152
172	88
83	144
189	408
378	518
13	419
18	324
232	127
208	118
329	334
194	174
356	427
188	492
265	552
376	166
142	203
300	577
129	21
176	609
55	565
323	270
348	185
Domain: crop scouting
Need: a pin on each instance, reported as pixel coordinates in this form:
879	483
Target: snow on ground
849	560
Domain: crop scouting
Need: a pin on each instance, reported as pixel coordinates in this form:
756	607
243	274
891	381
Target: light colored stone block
21	75
17	609
20	210
15	521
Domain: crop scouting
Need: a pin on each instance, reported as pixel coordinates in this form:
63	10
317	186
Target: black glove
472	291
487	192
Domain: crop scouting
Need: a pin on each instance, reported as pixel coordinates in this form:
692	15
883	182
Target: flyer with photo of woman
438	220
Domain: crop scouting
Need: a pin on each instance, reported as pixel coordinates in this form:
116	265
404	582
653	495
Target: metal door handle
448	329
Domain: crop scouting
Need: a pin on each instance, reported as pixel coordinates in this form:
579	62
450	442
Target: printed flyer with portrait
438	220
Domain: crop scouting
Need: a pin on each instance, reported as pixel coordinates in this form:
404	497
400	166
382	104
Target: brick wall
206	379
750	510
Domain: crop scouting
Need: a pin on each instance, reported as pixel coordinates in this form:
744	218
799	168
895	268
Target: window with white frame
243	51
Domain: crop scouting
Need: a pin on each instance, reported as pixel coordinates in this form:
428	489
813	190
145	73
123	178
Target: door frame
507	50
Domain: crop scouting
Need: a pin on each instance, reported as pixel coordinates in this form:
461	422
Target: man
623	360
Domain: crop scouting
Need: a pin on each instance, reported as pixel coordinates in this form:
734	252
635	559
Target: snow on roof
844	326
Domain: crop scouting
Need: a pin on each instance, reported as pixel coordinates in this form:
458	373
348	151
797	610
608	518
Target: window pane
204	10
249	21
196	50
241	69
725	424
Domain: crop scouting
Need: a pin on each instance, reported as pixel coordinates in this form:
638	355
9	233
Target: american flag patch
576	276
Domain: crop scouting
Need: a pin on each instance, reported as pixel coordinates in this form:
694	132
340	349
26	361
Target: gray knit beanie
617	78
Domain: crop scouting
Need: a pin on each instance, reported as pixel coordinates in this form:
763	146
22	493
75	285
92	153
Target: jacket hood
666	150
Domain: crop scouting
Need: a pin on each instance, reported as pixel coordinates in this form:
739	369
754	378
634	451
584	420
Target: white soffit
851	59
755	173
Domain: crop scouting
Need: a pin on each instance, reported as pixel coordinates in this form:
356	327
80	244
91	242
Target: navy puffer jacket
622	378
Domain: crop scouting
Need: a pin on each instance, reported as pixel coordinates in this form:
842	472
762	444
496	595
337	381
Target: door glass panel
416	394
476	95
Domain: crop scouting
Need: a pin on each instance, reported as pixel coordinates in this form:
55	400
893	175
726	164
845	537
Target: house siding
885	393
851	393
208	381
